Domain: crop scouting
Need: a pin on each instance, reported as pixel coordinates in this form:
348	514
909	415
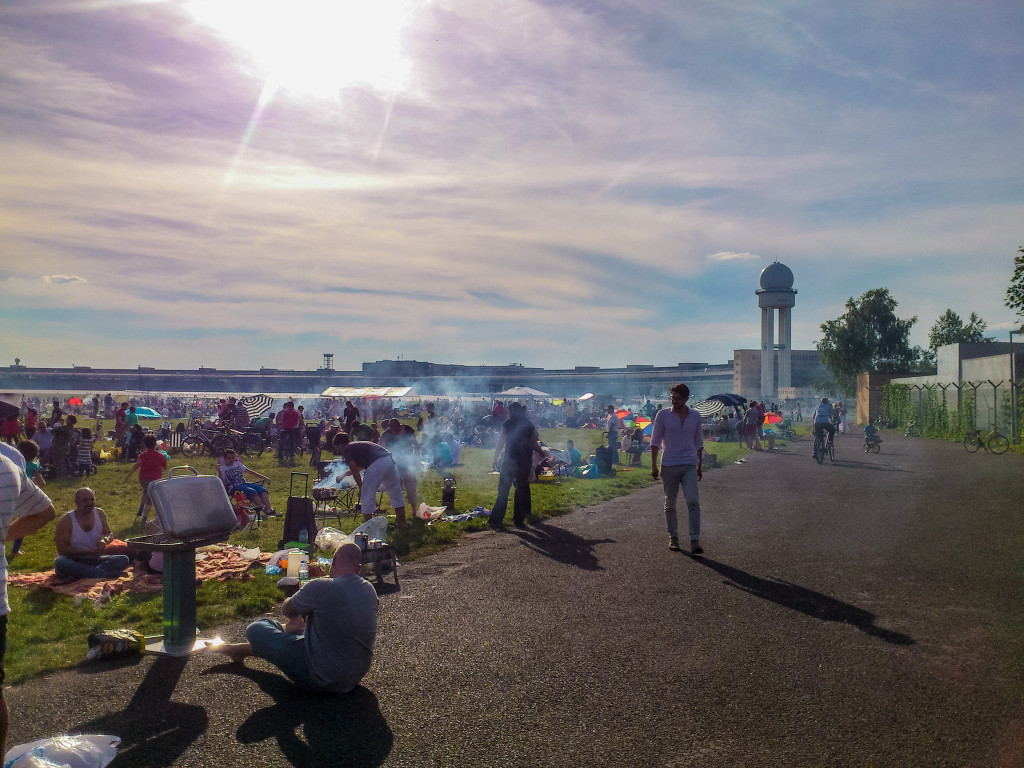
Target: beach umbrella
75	401
256	405
586	396
643	421
648	428
709	407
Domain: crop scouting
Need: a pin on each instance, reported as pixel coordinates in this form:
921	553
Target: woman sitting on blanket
232	472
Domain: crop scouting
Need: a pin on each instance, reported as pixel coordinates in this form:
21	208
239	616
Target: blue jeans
286	652
672	479
102	567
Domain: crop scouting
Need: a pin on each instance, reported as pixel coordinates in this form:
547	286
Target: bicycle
824	444
201	442
993	442
913	430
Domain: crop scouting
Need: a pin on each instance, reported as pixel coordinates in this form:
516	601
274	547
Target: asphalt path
866	613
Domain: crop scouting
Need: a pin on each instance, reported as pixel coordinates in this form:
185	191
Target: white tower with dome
776	292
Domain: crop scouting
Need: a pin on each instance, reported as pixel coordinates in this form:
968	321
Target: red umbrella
75	401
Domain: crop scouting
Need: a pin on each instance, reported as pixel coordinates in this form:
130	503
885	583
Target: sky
239	184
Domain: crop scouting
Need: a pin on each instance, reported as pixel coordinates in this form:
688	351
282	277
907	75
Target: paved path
867	613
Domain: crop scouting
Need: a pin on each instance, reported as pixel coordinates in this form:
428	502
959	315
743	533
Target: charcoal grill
194	511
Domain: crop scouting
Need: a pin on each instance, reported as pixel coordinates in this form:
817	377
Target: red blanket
221	565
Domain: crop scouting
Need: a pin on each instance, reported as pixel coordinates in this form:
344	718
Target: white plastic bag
329	539
429	513
374	528
80	751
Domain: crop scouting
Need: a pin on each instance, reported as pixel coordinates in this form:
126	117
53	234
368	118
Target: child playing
151	465
85	465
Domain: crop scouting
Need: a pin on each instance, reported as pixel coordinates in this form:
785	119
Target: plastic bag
115	642
80	751
429	513
329	539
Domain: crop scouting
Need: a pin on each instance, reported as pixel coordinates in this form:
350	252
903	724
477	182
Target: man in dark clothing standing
520	441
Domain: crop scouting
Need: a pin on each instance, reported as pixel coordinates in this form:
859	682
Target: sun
317	47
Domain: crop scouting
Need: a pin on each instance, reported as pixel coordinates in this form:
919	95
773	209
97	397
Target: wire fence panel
953	411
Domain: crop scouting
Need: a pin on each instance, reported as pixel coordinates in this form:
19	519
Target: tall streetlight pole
1013	393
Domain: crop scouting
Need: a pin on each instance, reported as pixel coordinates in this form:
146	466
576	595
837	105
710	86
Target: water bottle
304	536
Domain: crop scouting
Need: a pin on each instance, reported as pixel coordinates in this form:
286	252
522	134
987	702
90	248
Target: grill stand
180	637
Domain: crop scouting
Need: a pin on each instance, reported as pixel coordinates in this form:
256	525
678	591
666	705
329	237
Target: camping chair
249	515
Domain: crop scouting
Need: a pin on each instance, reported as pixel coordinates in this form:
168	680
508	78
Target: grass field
48	631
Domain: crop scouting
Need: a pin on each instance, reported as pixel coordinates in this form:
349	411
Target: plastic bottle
304	536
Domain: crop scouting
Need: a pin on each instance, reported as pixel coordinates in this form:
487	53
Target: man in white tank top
82	535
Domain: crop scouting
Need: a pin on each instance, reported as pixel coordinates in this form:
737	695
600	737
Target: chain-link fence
953	411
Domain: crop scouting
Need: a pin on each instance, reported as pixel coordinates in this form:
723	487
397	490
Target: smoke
331	472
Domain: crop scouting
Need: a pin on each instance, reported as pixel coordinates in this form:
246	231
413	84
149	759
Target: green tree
950	329
1015	293
868	337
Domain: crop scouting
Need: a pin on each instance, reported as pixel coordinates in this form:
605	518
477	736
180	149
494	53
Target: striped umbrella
256	405
708	407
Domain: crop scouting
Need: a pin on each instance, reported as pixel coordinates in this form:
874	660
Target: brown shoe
673	544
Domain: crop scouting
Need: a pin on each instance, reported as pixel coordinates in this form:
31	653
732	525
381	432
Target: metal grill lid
193	507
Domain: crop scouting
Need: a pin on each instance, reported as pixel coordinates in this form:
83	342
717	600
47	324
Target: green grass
48	631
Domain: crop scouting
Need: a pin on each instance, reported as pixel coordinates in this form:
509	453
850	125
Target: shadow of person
560	545
804	600
344	730
154	730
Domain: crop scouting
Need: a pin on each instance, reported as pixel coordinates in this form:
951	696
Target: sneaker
696	548
673	544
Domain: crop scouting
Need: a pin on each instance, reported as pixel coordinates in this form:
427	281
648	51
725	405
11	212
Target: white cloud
64	279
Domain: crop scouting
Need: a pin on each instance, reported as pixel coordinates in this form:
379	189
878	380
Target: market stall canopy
729	399
522	392
349	392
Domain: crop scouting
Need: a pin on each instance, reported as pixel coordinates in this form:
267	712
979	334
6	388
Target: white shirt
19	497
12	453
612	422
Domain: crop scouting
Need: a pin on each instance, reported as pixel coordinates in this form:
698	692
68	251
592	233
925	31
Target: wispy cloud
555	176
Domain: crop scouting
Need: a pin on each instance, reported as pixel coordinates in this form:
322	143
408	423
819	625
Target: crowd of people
327	641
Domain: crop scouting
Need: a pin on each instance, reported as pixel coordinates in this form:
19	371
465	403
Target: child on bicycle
871	436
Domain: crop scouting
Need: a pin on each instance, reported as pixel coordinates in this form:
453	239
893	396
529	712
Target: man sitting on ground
327	644
81	536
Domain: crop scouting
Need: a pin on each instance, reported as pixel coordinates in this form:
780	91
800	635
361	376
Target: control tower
776	292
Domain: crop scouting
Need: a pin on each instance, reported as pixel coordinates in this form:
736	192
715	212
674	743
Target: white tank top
86	540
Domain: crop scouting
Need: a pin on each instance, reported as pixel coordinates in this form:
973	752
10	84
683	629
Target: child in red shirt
151	465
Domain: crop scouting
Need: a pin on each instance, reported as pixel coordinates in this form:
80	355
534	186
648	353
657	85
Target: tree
869	337
950	329
1015	293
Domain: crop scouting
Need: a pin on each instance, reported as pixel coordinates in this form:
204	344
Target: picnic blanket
220	564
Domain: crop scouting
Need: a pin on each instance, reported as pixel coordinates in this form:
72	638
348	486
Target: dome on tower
776	277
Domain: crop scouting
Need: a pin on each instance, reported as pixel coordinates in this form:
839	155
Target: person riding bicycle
871	436
823	419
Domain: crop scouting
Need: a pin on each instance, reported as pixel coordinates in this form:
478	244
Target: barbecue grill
193	511
331	499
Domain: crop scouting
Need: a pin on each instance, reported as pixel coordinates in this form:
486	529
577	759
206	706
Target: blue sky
547	183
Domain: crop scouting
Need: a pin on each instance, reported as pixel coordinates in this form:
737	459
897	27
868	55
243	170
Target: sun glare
316	47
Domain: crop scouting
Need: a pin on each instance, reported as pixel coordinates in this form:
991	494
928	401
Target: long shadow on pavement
343	730
804	600
154	730
563	546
